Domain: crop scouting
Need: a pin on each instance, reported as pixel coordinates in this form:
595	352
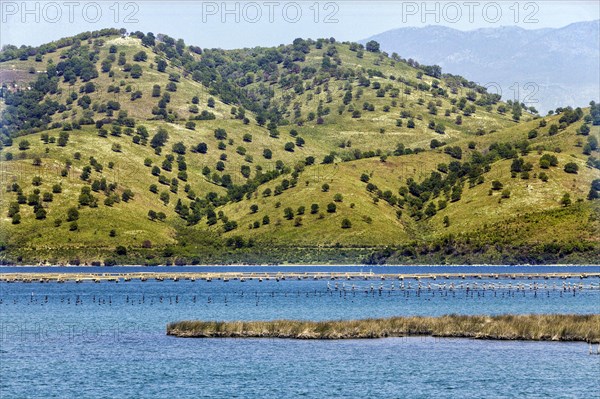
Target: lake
108	339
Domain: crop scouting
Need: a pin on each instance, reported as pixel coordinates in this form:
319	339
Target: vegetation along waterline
546	327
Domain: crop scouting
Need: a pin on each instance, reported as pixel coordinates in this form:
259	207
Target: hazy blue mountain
564	62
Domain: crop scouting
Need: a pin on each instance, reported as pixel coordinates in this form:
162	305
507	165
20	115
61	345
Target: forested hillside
140	148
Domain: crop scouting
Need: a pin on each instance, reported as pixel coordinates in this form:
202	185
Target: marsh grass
548	327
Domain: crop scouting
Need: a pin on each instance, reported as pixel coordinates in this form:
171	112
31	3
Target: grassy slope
324	228
475	212
365	131
372	224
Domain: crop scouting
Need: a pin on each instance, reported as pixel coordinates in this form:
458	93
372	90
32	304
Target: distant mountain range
564	62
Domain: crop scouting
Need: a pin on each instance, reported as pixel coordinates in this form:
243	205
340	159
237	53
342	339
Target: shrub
532	134
179	148
72	214
202	148
164	197
40	214
171	86
24	145
571	167
220	134
289	146
288	213
127	195
135	95
230	225
548	160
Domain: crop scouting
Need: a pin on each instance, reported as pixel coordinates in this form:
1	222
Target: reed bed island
542	327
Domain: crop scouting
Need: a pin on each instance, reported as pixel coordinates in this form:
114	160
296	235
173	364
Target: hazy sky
266	23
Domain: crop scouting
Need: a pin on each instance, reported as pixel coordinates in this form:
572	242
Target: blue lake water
108	339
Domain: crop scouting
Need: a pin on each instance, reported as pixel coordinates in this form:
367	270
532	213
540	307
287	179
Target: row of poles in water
566	286
334	290
116	278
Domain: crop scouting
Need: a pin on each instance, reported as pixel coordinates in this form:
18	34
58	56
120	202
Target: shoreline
544	327
83	276
305	265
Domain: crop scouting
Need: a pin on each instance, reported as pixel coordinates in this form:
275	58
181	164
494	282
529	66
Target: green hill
141	149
